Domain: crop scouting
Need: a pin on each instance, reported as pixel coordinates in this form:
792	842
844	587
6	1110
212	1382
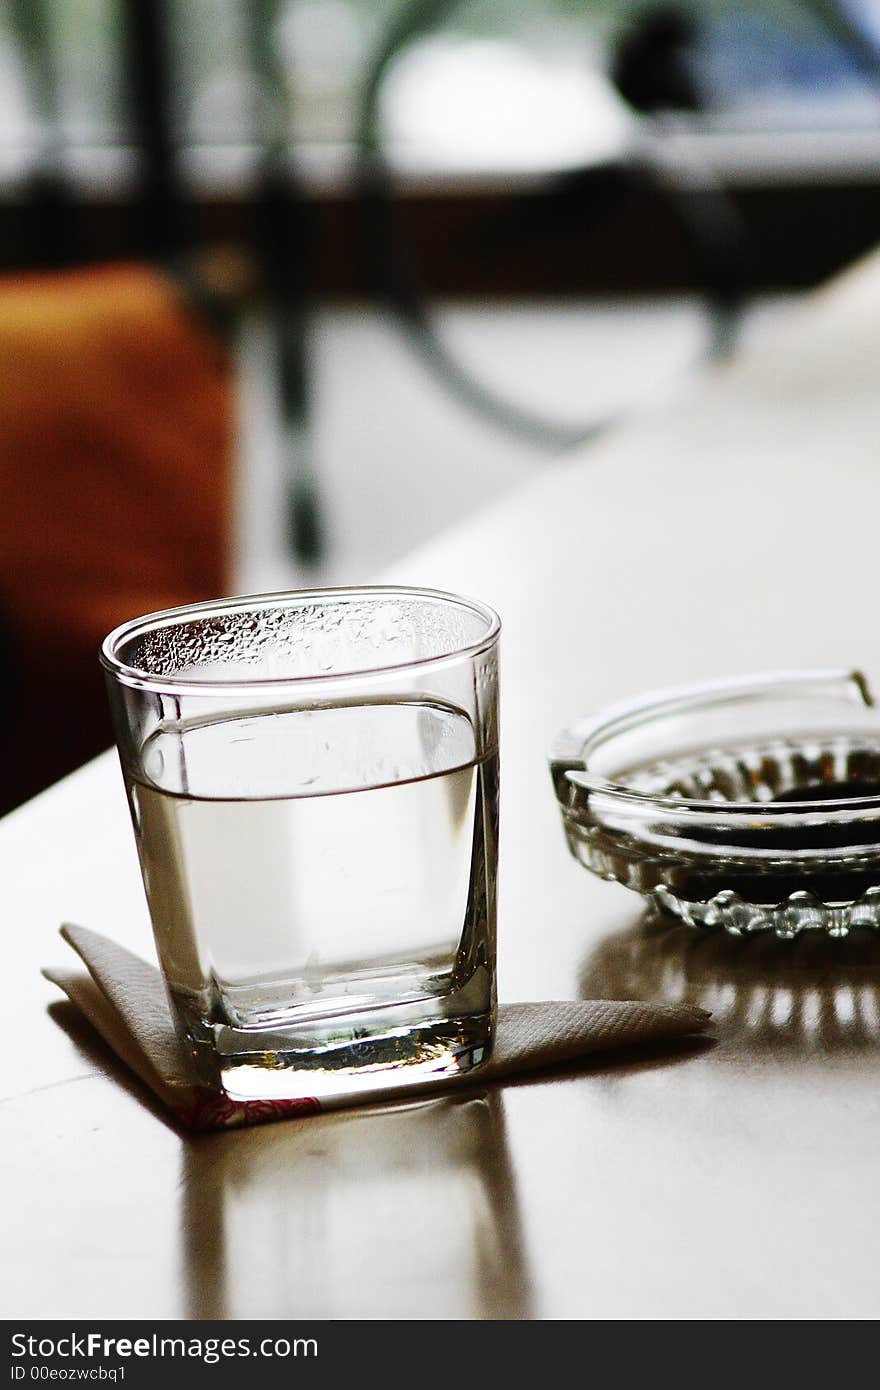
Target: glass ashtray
752	805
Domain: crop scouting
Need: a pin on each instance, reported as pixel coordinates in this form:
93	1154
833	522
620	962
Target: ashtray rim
570	752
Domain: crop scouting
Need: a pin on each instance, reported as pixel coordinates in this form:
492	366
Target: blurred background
288	286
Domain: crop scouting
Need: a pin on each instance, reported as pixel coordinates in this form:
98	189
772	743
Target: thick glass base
368	1052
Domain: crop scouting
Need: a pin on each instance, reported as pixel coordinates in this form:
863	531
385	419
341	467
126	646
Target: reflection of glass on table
331	1213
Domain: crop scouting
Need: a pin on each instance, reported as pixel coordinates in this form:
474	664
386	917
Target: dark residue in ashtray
830	791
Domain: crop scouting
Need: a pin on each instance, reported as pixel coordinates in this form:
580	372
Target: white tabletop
732	530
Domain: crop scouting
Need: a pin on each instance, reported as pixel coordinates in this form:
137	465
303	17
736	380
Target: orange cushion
116	435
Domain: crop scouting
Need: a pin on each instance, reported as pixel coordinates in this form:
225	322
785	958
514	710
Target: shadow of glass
811	993
404	1211
100	1055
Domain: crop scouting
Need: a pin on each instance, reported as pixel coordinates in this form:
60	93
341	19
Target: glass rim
137	678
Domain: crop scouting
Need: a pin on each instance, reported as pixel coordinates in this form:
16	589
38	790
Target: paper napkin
124	998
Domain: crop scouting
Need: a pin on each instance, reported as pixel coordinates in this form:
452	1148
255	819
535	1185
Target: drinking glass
313	783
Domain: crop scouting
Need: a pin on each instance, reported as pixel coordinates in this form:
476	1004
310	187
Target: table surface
733	529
